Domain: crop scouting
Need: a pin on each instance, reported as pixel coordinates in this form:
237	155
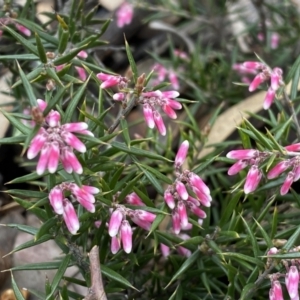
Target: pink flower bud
124	14
143	224
54	153
258	80
174	104
182	214
37	144
181	190
278	169
252	65
293	147
165	250
82	54
41	104
292	282
56	200
237	167
53	118
287	183
145	215
181	154
126	236
275	40
176	221
197	211
23	29
81	73
269	98
276	291
276	77
119	96
272	251
168	197
205	199
196	181
148	115
169	111
242	154
115	244
73	141
115	222
70	216
297	173
159	123
134	199
252	180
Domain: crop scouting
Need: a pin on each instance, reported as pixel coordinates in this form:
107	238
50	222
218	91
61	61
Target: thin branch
96	291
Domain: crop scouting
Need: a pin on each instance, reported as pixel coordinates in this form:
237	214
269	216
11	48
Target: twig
290	105
123	113
96	291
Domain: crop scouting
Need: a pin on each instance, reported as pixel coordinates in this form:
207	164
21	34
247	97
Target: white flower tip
113	232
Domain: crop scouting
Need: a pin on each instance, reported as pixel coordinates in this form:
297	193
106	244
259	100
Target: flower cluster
56	142
265	73
124	14
291	277
119	228
253	158
188	192
244	72
166	101
63	206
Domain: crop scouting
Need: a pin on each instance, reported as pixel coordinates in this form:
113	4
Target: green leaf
185	266
63	41
40	48
59	274
245	139
26	56
137	151
15	122
28	88
24	42
292	240
25	228
68	56
115	276
32	76
131	62
242	257
45	228
252	237
16	290
13	140
51	265
293	70
73	104
246	289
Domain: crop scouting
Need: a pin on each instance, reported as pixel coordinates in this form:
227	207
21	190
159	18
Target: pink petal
182	214
242	154
269	98
276	77
103	76
115	244
196	181
70	161
292	282
287	183
196	210
23	29
115	222
293	147
252	65
70	217
82	54
145	215
37	143
205	199
237	167
143	224
54	152
159	123
134	199
43	160
278	169
148	115
53	118
276	291
90	189
275	40
174	80
41	104
170	94
75	127
119	96
112	81
258	80
169	111
126	236
169	198
181	190
174	104
252	180
73	141
81	73
176	221
181	154
165	250
56	200
124	14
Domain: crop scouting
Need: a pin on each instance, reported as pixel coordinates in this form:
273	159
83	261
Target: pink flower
115	222
276	77
169	199
181	190
252	65
242	154
23	29
119	96
124	14
252	180
181	154
112	80
287	183
237	167
134	199
148	115
292	282
70	216
115	244
126	236
55	142
159	123
276	291
275	40
278	169
269	98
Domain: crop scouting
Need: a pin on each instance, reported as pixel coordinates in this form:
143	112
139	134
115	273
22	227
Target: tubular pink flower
82	54
196	210
174	104
70	161
23	29
184	251
170	94
237	167
119	96
205	199
169	111
272	251
252	180
293	147
148	115
292	282
193	200
181	190
279	169
56	200
165	250
169	198
53	157
197	182
90	189
287	183
37	144
176	221
159	123
174	80
297	173
143	224
108	80
53	118
134	199
86	204
252	65
43	160
75	127
73	141
81	73
126	236
276	291
124	14
242	154
41	104
181	154
184	220
258	80
70	216
269	98
115	222
115	244
145	215
276	77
